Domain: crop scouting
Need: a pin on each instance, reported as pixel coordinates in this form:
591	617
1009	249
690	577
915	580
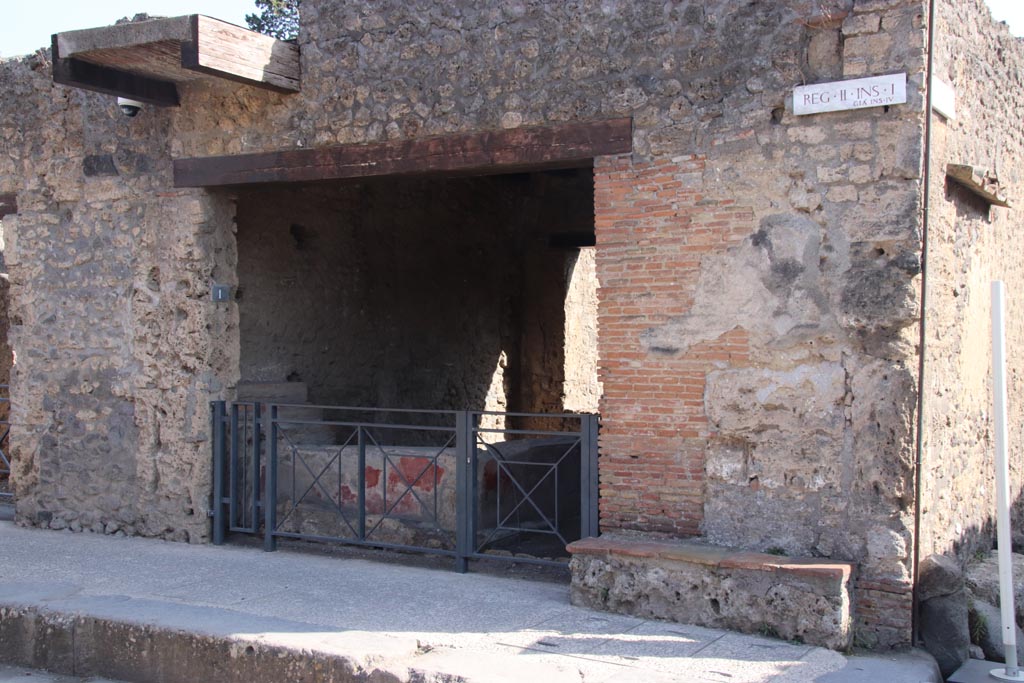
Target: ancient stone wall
770	278
969	245
758	271
118	344
582	389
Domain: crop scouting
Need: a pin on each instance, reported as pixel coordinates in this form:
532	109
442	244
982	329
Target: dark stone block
99	165
944	624
939	576
944	631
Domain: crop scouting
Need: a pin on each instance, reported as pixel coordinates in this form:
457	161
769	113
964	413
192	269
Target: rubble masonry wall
117	345
969	245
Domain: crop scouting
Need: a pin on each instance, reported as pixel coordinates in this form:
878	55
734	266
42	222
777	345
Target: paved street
384	616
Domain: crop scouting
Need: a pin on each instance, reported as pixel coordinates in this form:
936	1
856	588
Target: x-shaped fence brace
6	469
296	500
503	464
409	486
406	474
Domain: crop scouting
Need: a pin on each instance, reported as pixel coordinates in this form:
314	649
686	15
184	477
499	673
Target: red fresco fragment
346	495
411	467
372	477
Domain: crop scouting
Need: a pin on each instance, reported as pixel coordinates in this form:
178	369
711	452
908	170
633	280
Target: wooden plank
8	204
73	43
562	146
160	60
221	49
143	60
104	79
974	179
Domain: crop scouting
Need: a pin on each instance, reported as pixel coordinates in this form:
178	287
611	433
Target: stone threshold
803	599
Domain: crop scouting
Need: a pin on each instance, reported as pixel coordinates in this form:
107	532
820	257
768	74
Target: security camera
129	108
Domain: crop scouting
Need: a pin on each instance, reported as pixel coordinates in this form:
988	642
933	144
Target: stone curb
86	645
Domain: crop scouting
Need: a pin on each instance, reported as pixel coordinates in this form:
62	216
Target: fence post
361	442
589	491
254	474
463	491
233	468
217	420
270	495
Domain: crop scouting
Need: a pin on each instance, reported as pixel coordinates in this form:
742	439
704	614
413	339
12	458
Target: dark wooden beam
109	81
504	151
8	204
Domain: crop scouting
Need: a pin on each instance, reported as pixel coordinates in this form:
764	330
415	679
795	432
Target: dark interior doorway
426	292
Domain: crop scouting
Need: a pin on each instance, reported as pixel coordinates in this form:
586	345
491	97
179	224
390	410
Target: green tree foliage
277	18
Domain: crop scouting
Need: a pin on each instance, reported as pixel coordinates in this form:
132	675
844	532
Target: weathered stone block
878	5
825	54
856	24
806	399
791	598
982	579
986	629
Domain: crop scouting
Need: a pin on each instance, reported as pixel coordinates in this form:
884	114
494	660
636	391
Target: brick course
653	229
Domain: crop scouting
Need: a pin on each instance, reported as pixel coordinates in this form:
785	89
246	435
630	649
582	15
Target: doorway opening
433	294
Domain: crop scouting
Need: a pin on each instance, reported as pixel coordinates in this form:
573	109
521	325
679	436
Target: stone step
803	599
305	434
273	392
294	394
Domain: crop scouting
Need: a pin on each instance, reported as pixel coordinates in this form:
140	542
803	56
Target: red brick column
653	228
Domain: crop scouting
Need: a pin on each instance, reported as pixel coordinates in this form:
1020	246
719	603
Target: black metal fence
6	492
465	484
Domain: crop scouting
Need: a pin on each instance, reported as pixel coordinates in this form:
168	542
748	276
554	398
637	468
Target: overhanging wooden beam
503	151
145	60
110	81
221	49
8	204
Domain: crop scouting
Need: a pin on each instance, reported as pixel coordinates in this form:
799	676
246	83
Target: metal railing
464	484
6	493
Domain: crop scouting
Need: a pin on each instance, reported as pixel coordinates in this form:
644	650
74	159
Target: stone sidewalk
20	674
143	610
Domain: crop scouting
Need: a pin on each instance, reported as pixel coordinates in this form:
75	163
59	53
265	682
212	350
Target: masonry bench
804	599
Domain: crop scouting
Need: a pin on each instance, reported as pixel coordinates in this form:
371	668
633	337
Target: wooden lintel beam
109	81
564	145
8	204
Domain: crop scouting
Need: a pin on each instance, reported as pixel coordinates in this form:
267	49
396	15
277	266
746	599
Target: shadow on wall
415	293
958	595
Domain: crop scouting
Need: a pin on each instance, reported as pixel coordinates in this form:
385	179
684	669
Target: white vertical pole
1012	671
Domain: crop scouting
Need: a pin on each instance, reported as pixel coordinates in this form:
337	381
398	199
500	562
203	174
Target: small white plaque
859	93
943	98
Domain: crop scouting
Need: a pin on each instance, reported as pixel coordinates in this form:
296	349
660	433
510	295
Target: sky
27	24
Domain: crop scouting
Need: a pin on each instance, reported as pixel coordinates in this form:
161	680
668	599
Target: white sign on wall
943	98
859	93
